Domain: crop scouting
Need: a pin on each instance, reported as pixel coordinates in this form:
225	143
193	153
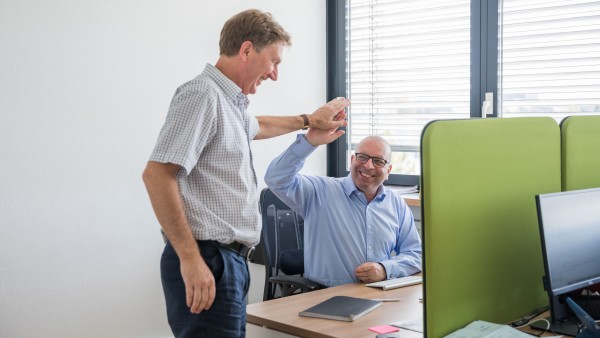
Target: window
550	58
407	62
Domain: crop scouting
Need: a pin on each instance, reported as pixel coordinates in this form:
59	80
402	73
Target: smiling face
261	66
366	176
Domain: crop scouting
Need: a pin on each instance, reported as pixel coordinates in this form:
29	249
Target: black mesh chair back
282	246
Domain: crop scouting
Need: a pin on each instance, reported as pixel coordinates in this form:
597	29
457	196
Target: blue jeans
227	316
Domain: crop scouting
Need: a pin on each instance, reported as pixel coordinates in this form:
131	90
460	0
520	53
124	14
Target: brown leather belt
236	247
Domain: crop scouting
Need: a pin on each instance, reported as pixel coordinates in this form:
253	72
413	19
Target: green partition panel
580	143
482	249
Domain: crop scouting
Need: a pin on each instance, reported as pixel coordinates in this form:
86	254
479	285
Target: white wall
84	90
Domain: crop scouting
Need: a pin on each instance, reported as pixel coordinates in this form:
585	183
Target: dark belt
236	247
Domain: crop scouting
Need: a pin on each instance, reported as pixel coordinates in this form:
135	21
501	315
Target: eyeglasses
364	158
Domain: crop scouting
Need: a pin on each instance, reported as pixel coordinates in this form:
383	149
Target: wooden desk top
412	200
282	314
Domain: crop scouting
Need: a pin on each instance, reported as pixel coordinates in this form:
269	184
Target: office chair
282	247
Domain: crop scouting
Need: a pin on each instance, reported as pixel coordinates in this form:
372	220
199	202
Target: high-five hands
332	114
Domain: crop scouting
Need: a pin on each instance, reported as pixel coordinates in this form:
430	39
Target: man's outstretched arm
330	116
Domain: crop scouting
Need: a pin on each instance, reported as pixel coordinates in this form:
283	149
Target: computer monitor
569	224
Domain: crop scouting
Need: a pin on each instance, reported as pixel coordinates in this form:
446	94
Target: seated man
351	224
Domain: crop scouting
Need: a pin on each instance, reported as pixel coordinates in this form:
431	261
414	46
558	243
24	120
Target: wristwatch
306	123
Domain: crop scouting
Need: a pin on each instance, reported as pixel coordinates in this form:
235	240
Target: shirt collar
229	87
349	187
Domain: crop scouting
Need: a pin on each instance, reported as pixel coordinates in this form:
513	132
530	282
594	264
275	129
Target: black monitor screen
570	232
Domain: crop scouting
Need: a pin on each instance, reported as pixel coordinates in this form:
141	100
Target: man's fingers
339	104
340	101
337	135
340	116
200	298
204	301
194	305
364	268
211	297
340	123
189	295
334	136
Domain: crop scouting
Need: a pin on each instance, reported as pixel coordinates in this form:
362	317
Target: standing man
201	180
351	224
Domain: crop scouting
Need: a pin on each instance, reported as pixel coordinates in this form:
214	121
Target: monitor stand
566	327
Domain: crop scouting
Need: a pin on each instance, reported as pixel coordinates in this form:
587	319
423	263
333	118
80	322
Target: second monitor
569	224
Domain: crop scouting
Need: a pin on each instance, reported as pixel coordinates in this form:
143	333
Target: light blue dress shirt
342	230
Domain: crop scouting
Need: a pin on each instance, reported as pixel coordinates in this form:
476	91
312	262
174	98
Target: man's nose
273	75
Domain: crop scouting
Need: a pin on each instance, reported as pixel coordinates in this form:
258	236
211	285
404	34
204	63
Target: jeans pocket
214	259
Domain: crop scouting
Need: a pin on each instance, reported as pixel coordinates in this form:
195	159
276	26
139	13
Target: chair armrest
299	281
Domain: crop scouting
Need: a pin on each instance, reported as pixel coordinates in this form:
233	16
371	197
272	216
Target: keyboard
397	282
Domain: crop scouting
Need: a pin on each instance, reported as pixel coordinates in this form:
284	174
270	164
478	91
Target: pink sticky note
384	329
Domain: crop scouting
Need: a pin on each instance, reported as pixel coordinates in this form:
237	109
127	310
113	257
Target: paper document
412	324
403	189
481	329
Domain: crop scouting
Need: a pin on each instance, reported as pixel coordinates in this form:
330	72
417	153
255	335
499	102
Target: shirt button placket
369	231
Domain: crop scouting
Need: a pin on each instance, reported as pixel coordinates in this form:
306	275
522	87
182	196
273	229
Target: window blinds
408	63
549	60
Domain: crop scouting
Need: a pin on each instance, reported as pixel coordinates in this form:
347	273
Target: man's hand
199	284
330	116
370	272
166	201
317	137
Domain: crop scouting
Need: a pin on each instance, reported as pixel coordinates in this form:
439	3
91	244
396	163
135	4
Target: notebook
342	308
396	282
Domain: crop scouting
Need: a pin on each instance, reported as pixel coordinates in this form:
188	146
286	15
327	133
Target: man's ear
245	49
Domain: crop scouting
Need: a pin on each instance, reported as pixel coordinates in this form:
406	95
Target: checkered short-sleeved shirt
208	133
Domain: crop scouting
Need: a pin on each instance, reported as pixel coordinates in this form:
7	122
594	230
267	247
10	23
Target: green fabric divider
580	143
482	248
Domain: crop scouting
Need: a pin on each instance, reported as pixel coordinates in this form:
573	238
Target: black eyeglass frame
373	160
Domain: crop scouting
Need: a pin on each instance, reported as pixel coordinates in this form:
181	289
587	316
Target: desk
412	200
527	329
282	314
